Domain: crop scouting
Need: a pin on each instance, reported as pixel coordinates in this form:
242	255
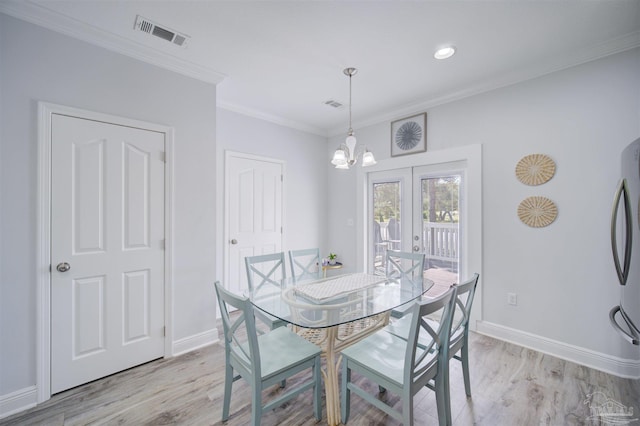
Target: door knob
63	267
234	241
416	248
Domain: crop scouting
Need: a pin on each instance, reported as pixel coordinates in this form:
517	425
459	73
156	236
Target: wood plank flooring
511	386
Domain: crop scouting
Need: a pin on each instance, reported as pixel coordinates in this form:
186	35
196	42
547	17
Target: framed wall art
409	135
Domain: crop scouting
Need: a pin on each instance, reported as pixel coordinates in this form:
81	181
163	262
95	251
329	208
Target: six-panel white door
107	225
254	211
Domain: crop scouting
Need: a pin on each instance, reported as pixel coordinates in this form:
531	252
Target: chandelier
347	154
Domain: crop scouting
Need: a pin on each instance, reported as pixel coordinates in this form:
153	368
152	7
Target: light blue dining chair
400	365
404	265
459	341
264	360
305	263
266	269
460	330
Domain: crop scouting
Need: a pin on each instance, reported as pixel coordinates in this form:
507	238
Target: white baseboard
609	364
18	401
194	342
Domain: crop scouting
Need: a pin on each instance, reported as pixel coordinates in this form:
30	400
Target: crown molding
261	115
41	16
610	47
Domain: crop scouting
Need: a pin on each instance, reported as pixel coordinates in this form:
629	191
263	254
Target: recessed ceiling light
445	52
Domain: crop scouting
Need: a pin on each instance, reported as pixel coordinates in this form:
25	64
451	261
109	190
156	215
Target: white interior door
107	249
253	188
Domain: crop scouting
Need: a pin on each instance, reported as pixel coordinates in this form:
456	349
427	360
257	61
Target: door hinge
281	178
163	157
164	331
281	230
163	244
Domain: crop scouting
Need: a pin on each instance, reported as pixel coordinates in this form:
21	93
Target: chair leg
381	389
345	406
447	396
464	358
256	404
407	409
228	382
317	401
283	383
442	399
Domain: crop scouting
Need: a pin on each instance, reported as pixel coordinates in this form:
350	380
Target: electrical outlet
512	299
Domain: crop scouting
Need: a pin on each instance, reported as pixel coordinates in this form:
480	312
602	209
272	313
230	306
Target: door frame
225	238
471	157
43	263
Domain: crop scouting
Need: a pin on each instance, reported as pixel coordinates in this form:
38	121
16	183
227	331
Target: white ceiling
282	60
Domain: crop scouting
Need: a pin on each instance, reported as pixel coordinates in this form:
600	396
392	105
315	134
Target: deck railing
440	240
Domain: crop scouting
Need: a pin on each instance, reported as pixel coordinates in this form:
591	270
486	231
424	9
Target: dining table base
332	340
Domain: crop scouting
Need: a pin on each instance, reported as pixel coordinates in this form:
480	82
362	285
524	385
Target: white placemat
337	286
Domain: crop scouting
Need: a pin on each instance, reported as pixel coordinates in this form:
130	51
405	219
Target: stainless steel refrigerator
625	245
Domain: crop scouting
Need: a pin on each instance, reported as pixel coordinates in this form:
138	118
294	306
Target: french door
418	209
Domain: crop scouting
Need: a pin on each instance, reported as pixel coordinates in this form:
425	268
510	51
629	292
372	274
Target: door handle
622	271
63	267
631	336
234	241
416	248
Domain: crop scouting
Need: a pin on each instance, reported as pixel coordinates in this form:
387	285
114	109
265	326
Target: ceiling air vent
333	103
147	26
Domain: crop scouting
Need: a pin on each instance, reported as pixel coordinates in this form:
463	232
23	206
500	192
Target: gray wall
40	65
563	274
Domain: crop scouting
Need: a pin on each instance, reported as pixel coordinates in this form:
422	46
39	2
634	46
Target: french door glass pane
441	229
386	222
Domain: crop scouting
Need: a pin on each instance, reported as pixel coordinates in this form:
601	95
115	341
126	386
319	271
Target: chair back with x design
305	263
265	269
405	265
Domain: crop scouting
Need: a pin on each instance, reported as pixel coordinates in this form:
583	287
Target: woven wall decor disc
535	169
537	212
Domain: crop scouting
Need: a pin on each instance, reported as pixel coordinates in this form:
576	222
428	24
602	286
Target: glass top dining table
328	302
336	312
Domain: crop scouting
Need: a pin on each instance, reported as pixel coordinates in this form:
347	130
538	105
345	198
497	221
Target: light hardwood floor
511	386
